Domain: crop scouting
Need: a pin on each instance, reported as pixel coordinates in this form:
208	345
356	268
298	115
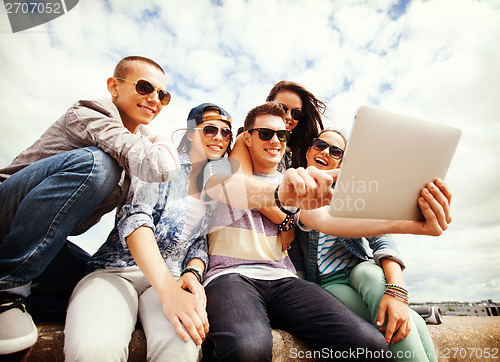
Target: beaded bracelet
392	293
196	271
400	299
395	292
403	298
397	287
278	203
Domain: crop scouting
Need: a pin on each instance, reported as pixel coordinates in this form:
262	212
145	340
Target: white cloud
438	60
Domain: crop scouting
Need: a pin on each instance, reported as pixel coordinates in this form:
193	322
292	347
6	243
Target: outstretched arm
434	202
304	188
150	161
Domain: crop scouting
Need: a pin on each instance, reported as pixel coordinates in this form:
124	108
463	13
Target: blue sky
434	60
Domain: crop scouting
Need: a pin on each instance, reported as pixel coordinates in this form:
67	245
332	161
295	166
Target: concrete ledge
467	339
457	339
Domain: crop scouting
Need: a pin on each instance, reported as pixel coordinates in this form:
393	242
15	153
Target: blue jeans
243	311
51	290
41	204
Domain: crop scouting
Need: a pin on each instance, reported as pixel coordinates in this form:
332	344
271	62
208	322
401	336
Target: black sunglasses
334	151
294	112
211	131
265	134
144	88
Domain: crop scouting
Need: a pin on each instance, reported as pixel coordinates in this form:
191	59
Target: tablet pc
389	158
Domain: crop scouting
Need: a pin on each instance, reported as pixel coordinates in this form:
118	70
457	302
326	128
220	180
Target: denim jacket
162	207
304	251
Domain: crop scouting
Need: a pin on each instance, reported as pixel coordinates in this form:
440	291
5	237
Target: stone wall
457	339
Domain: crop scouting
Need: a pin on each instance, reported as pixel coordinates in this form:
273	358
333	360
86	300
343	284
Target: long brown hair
309	125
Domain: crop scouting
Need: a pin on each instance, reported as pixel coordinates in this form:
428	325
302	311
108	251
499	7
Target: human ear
112	84
247	138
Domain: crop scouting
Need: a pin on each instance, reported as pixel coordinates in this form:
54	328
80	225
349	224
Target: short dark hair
123	66
266	108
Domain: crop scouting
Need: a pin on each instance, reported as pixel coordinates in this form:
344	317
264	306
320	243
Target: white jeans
102	315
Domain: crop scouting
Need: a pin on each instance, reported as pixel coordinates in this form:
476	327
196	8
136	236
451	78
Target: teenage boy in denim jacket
76	172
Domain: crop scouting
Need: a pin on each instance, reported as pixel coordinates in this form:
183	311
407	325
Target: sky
436	60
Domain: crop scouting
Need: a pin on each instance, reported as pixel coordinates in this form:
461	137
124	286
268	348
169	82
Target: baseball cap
196	115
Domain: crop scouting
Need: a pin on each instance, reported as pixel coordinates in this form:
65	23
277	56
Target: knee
106	171
368	271
183	351
367	275
250	348
100	171
249	352
81	351
370	339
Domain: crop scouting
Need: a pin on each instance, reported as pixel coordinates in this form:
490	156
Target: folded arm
152	160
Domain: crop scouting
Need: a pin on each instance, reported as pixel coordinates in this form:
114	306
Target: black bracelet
284	222
278	203
290	225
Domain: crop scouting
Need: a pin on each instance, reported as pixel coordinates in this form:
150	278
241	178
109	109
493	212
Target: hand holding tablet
389	159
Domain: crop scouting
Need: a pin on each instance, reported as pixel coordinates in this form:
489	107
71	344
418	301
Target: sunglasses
265	134
334	151
295	113
144	88
211	131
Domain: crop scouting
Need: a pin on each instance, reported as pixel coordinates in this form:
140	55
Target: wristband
196	271
290	225
278	203
284	222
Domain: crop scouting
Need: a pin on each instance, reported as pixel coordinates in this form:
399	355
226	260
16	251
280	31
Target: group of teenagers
212	248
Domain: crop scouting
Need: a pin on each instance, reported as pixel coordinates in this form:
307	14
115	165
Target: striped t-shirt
333	256
246	242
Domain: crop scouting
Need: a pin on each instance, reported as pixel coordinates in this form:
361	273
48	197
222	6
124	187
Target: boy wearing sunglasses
76	172
251	285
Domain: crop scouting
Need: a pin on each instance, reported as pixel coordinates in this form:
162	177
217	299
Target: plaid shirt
98	123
